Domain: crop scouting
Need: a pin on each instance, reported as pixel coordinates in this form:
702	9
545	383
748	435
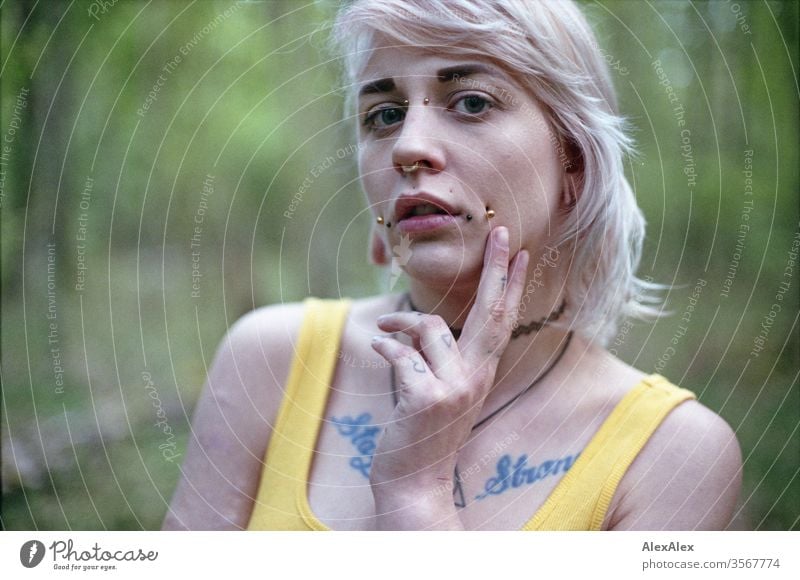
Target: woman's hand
441	386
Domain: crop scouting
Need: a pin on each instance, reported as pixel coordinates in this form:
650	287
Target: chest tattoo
363	436
512	474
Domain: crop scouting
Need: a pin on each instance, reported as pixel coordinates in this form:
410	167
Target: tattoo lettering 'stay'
513	474
363	436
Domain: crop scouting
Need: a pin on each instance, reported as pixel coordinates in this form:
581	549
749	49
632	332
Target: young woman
491	153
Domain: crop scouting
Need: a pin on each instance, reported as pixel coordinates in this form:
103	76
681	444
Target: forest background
168	166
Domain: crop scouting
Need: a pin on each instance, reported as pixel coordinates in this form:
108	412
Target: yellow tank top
579	501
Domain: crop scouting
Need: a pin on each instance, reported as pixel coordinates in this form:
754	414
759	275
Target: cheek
537	173
374	176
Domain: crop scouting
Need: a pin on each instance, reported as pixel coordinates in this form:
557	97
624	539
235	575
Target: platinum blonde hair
549	48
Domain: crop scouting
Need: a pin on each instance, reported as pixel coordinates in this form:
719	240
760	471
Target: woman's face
480	141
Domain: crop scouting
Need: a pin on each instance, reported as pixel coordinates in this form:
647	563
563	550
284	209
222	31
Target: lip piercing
410	168
489	213
405	102
469	217
379	219
425	101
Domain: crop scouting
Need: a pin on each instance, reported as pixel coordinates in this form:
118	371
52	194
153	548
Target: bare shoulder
232	422
687	476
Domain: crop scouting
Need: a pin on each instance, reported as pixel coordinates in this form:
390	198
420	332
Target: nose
420	143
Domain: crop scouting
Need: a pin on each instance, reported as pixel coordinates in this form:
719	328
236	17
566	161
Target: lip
407	201
422	223
425	223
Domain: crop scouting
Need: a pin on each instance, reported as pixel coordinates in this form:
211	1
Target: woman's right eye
383	117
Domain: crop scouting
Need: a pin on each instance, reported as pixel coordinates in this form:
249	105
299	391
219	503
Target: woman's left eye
472	104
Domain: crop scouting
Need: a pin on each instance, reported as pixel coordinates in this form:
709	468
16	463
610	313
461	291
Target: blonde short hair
549	48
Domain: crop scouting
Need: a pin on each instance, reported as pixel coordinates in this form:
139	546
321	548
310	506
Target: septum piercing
410	168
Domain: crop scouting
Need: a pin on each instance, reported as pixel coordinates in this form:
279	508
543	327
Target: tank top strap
294	436
581	500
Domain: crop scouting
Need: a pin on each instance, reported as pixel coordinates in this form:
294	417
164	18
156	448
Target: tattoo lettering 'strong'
512	474
363	436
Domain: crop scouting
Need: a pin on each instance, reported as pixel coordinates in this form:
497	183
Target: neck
526	356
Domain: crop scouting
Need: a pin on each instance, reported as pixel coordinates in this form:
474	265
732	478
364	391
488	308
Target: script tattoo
513	474
363	436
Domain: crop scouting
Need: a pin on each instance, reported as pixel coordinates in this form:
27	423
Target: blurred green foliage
113	140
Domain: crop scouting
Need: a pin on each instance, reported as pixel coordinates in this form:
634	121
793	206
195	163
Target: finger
409	366
432	337
488	321
516	283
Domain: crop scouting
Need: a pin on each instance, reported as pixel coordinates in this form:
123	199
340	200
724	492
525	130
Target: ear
569	192
377	249
573	176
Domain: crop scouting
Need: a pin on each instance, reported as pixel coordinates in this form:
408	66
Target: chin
443	267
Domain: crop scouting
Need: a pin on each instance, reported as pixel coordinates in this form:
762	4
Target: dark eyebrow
451	73
445	75
379	86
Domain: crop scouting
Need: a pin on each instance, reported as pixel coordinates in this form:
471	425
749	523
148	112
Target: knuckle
481	379
439	395
432	322
497	310
397	360
432	396
401	362
500	259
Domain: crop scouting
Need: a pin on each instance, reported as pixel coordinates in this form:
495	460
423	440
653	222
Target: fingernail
382	318
501	236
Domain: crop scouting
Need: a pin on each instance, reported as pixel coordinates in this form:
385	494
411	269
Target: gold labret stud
379	219
490	213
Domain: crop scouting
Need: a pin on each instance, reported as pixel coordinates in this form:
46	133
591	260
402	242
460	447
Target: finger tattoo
448	339
419	366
